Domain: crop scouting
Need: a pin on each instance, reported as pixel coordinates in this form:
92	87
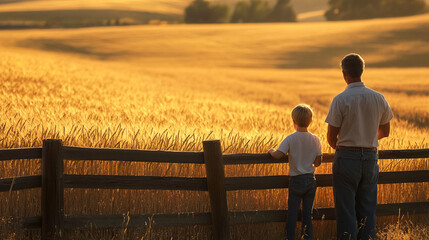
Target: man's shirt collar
355	84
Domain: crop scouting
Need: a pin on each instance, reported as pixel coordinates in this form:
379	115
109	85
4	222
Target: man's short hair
353	65
302	114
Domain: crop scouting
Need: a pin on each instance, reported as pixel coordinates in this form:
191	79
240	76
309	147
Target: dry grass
171	87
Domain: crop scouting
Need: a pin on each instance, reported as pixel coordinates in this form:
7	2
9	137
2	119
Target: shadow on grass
62	46
330	55
14	1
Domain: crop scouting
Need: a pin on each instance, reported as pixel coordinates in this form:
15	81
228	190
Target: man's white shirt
359	111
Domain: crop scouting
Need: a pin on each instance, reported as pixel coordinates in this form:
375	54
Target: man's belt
357	148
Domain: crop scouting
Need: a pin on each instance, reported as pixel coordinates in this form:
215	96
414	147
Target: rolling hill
140	11
159	6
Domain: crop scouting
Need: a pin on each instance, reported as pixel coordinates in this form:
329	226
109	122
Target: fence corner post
217	191
52	189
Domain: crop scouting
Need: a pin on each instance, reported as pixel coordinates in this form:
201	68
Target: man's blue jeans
301	187
355	177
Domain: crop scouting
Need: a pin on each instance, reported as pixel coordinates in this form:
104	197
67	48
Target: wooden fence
52	181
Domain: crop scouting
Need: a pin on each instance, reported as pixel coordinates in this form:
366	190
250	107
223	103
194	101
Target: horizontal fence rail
216	184
20	153
264	158
190	219
20	183
106	154
135	182
193	184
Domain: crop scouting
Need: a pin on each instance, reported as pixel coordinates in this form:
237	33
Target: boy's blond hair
302	114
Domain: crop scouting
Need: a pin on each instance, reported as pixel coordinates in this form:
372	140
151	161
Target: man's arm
317	161
333	135
276	154
384	130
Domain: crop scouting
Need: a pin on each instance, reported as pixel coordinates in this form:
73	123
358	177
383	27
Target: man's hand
276	154
384	130
333	135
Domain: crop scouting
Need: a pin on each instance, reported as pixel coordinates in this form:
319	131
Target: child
304	153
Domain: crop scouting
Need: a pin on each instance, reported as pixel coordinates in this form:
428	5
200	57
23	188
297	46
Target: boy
304	153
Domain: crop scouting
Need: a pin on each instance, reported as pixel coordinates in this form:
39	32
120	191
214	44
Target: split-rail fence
53	181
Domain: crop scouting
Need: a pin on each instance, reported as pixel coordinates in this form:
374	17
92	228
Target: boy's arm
317	161
276	154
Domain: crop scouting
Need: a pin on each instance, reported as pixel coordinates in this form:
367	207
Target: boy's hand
276	154
317	161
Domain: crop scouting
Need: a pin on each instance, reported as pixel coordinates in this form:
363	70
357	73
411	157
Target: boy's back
303	148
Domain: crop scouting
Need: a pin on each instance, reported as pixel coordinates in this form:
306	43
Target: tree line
252	11
363	9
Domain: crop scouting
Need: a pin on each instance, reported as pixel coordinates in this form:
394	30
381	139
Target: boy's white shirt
303	148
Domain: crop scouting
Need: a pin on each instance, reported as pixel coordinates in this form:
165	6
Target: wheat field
171	87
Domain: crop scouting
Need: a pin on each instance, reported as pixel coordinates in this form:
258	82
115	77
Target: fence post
52	189
216	185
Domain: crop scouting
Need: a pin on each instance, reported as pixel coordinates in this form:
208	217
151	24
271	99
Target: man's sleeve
334	117
387	114
284	146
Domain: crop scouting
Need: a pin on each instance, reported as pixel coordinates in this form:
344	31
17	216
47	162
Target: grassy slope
401	43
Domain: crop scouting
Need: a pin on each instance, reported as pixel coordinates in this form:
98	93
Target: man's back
358	112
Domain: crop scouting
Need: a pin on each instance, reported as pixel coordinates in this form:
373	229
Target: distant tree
241	12
353	9
201	11
219	13
253	11
259	11
283	12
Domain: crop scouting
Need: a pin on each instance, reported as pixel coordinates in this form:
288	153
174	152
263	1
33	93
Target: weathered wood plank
52	189
391	209
323	180
256	183
327	157
20	183
261	216
135	182
152	220
403	154
78	153
231	183
251	158
264	158
236	217
216	185
20	153
30	222
403	177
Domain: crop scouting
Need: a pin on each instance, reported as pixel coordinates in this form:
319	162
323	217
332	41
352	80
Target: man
357	119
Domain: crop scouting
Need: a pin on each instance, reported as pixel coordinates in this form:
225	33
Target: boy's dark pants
355	175
301	187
